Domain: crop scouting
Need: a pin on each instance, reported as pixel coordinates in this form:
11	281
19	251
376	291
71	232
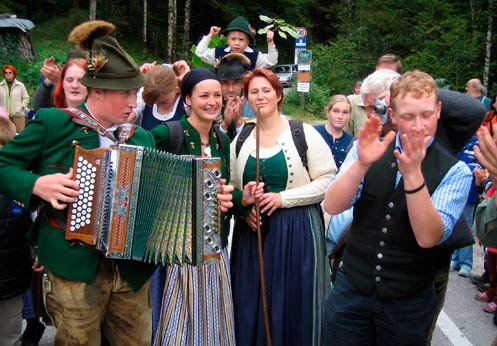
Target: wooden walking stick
267	326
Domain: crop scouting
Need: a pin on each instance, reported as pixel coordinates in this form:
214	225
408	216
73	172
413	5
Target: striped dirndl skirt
197	305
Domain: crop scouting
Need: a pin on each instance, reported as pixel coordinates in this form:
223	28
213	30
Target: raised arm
425	220
203	51
370	148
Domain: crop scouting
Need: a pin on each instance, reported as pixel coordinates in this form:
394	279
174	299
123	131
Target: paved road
461	323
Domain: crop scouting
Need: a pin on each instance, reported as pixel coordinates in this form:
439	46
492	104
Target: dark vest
15	253
381	252
149	121
219	53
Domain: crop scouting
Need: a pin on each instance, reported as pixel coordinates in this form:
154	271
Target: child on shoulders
239	35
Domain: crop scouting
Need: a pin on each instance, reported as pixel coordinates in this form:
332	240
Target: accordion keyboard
82	206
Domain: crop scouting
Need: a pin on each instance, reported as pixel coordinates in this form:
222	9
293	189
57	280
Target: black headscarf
194	77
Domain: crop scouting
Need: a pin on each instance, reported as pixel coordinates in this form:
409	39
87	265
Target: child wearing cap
239	35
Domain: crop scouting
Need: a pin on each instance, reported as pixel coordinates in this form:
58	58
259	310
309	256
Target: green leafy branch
278	25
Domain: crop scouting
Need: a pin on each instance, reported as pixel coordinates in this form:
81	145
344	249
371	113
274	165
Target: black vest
219	53
382	253
15	253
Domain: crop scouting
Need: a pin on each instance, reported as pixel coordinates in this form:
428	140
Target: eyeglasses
8	72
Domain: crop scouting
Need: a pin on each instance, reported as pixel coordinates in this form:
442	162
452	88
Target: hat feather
84	34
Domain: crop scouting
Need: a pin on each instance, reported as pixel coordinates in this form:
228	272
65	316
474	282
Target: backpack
176	137
298	136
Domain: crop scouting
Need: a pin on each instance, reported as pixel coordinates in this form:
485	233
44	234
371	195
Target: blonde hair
335	99
161	80
416	83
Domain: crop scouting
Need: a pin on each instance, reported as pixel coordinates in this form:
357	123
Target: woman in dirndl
196	302
297	280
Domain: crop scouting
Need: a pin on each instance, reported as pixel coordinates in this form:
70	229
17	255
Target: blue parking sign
301	42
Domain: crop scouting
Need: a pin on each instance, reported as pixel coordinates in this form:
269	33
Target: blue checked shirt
449	198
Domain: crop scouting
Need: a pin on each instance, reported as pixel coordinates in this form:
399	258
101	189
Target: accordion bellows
147	205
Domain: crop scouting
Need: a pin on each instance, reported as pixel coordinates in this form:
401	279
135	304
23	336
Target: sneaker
490	308
483	296
464	272
453	266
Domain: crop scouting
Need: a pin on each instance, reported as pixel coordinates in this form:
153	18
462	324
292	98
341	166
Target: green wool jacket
46	146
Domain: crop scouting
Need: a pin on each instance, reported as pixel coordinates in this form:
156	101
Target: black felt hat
232	66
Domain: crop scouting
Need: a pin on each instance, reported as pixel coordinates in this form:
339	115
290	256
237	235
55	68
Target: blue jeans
353	319
463	257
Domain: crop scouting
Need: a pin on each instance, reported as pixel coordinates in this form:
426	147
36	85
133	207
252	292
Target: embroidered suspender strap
125	132
82	118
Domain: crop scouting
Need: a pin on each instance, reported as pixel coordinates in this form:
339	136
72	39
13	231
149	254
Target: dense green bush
314	102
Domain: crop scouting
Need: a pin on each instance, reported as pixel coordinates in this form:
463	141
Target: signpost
303	59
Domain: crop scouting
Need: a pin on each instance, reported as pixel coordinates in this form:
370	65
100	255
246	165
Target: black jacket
15	252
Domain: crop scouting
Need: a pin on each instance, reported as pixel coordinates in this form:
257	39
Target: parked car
287	73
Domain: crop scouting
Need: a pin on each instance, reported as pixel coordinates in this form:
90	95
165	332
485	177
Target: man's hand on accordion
57	189
224	196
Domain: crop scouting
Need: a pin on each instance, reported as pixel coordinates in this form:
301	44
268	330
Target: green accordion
147	205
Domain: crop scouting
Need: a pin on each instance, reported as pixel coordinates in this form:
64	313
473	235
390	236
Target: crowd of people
389	188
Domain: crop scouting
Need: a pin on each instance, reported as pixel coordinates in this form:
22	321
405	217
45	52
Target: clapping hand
369	146
486	150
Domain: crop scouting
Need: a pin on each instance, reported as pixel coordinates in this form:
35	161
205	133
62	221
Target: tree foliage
446	38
